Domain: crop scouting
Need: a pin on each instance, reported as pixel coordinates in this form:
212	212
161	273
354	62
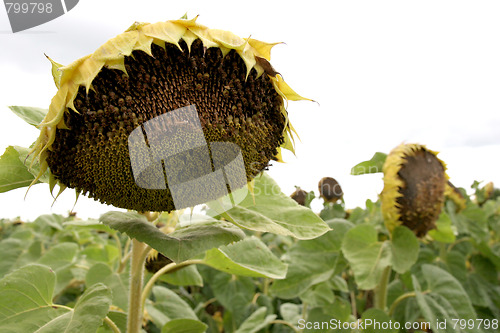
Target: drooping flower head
414	185
329	189
145	73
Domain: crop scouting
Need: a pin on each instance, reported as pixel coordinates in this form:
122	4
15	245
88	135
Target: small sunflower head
299	195
330	190
157	106
414	185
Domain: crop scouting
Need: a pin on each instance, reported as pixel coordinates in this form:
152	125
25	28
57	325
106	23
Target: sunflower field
425	257
288	270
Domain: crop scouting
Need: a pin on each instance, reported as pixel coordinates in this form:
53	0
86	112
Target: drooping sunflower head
149	109
299	195
330	190
414	185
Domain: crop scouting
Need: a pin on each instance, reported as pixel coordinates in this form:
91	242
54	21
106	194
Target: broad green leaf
367	256
234	293
432	311
311	261
184	326
13	173
167	305
60	258
26	299
31	115
328	318
404	249
34	168
99	252
120	320
90	224
291	312
257	321
444	230
455	262
338	283
374	165
180	245
445	299
187	276
87	316
248	257
48	221
117	283
11	250
318	295
444	284
270	210
376	320
26	304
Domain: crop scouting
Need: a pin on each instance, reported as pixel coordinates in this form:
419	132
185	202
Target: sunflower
152	78
300	196
414	185
330	190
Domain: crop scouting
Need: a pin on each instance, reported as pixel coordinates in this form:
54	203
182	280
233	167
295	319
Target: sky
382	73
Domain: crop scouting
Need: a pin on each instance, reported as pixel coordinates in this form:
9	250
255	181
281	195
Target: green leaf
120	320
26	298
444	284
90	224
404	249
234	293
11	250
257	321
29	114
270	210
187	276
318	295
374	165
367	256
311	261
34	168
184	326
444	231
60	258
49	221
180	245
117	283
248	257
26	304
376	320
168	306
444	299
87	316
13	173
291	312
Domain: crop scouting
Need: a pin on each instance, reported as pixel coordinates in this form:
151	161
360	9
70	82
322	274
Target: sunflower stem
381	289
135	312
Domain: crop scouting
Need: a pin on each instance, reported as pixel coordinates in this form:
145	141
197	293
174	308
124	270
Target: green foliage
289	270
31	115
373	165
67	273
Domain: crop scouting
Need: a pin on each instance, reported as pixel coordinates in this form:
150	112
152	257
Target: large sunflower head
414	185
178	87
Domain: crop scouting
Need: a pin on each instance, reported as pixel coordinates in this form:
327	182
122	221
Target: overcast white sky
383	72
